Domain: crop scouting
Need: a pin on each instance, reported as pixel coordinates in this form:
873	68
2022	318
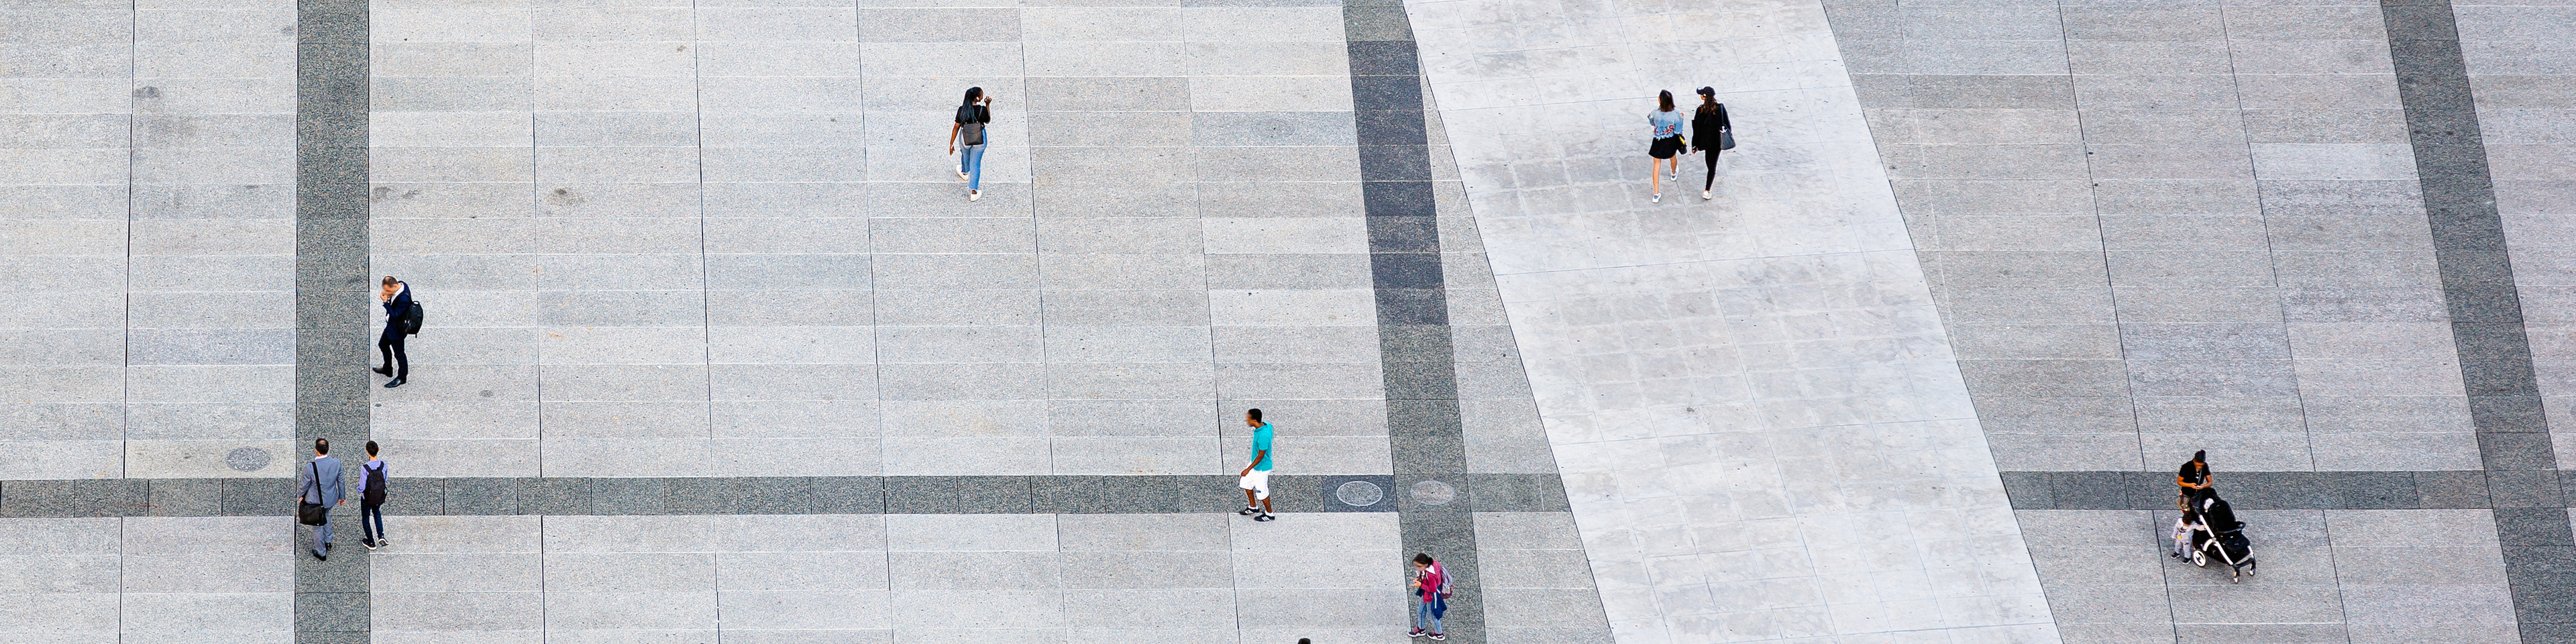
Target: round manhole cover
1359	494
1434	493
247	459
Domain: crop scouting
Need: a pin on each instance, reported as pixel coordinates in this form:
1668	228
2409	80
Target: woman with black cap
1667	124
1709	131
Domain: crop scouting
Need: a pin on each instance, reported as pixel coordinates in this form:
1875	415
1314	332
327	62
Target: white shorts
1258	482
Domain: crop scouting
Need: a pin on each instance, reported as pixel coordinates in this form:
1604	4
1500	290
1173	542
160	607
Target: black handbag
308	512
1726	139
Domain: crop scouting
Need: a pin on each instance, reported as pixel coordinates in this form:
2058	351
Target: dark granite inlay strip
2469	247
1431	490
2427	490
331	322
763	495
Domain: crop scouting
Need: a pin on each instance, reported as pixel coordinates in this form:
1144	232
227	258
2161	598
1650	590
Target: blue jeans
970	160
375	513
1422	617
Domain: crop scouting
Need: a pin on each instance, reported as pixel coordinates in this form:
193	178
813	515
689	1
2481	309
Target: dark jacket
1705	126
399	307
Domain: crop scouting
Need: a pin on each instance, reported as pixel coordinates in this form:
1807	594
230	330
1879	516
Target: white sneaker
1704	196
972	195
1659	197
961	174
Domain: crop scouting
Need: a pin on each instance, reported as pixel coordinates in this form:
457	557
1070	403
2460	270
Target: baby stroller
2218	536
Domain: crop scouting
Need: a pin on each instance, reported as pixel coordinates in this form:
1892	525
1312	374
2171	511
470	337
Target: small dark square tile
1393	122
331	611
1384	58
2374	491
2526	489
2547	566
1425	452
331	637
481	496
846	494
1406	270
554	496
258	497
692	495
2532	527
768	495
1209	493
184	498
1402	229
2454	489
626	496
2516	451
2095	492
1413	306
1393	162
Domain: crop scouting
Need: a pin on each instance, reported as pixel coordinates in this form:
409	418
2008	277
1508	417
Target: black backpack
411	319
375	495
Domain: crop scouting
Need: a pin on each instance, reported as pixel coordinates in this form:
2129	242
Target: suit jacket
400	306
329	492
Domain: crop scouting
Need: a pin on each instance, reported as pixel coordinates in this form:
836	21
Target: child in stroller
2217	535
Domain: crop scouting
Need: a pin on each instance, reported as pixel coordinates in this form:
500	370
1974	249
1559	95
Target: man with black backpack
371	499
402	317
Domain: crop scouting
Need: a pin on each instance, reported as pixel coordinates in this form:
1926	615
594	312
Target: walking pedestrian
1255	478
321	485
396	297
371	499
1431	594
1709	132
970	130
1667	124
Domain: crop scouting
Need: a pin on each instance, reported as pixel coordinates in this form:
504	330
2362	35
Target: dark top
972	118
2192	473
400	306
1706	124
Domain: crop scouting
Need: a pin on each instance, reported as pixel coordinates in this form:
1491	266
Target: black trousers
1712	171
391	345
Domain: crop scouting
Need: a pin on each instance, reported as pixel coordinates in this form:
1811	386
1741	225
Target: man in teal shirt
1256	476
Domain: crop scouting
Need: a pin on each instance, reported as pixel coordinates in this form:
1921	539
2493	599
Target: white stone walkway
1757	411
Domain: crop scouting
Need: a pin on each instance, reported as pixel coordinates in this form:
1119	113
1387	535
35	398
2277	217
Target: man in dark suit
318	482
397	300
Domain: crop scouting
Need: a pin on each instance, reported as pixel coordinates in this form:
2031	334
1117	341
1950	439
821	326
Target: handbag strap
316	484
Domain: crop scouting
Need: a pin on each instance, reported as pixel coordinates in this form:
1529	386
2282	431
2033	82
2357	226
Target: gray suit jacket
330	491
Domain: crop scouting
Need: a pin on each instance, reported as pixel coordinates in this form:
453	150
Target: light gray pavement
147	579
1762	432
2522	84
2161	230
150	178
676	239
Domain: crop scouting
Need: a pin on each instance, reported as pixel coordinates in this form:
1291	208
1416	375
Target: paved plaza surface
719	351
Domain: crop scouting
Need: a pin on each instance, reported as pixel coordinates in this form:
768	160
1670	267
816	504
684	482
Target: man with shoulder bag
319	489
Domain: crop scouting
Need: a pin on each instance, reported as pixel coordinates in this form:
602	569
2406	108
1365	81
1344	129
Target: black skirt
1665	148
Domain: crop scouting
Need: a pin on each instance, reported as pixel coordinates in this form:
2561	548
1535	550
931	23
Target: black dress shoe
386	371
397	382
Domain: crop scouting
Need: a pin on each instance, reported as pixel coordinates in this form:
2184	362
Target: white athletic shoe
1659	197
972	195
1704	196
